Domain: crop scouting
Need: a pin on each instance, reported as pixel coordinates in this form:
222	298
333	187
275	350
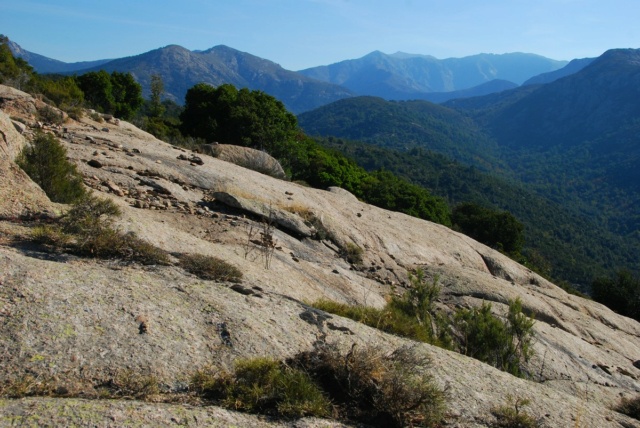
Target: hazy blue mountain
42	64
403	76
491	87
573	67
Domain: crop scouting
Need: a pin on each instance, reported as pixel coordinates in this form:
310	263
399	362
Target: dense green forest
562	242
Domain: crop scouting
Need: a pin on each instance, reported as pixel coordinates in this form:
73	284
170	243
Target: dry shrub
210	268
382	389
353	254
87	230
27	385
263	385
512	415
132	384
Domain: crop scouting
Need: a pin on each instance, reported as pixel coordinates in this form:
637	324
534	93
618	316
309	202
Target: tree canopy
241	117
116	93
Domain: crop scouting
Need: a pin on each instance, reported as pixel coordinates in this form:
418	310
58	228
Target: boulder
246	157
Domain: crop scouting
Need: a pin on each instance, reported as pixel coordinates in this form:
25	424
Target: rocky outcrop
245	157
77	320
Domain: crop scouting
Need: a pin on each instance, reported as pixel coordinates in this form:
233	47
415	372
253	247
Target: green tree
497	229
98	90
116	93
63	91
14	71
127	95
45	161
156	108
241	117
620	293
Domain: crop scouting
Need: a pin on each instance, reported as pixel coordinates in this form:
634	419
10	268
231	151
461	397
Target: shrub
629	407
512	415
26	385
50	115
210	268
410	316
132	384
506	345
352	253
389	390
87	229
45	161
263	385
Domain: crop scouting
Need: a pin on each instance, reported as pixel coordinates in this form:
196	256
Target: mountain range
404	76
398	76
574	141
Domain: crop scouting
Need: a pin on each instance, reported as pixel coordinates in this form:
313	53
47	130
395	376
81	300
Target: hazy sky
299	34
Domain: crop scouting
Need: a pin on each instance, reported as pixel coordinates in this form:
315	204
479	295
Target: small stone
95	163
158	161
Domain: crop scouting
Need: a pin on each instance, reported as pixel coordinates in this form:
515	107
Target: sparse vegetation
381	389
353	253
410	316
132	384
512	415
87	230
50	116
266	386
210	268
505	344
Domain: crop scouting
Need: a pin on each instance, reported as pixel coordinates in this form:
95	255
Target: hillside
573	247
405	76
80	322
575	137
571	141
403	125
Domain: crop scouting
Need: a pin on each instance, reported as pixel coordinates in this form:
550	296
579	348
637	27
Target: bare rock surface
245	157
78	319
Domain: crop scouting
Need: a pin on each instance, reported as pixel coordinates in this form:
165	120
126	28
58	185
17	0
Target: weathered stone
281	218
94	163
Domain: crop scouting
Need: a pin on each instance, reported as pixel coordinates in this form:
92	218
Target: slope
76	320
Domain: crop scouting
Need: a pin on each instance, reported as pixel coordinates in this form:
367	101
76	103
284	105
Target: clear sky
298	34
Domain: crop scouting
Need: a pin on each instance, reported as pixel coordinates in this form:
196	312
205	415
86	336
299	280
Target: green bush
49	115
411	316
506	345
352	253
45	161
263	385
210	268
367	385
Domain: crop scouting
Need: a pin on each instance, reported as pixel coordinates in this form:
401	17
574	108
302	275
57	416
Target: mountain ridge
295	89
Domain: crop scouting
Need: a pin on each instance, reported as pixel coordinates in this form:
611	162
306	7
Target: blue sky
299	34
